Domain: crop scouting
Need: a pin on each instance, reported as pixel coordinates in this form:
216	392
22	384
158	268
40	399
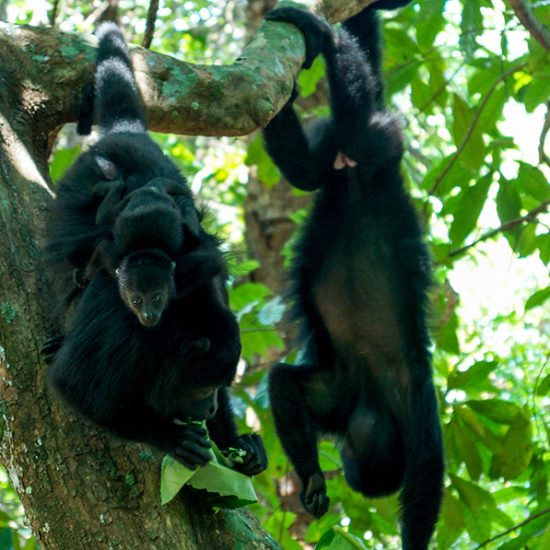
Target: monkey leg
288	388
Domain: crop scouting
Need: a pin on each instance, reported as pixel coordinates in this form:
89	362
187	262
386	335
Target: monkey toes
314	497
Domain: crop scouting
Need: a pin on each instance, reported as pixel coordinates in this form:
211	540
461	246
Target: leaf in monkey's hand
227	488
230	489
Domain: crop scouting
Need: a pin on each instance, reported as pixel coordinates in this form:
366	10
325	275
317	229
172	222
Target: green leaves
229	488
470	203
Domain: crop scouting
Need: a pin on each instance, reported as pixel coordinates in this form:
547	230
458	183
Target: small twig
543	157
150	25
525	522
529	217
535	28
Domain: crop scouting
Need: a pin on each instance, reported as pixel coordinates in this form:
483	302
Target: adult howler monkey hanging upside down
123	231
359	283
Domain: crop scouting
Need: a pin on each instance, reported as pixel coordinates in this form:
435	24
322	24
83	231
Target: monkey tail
116	103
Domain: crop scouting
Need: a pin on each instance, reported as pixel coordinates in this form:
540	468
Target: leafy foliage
473	87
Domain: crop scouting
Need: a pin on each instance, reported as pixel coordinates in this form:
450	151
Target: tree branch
535	28
150	24
543	157
525	522
529	217
180	98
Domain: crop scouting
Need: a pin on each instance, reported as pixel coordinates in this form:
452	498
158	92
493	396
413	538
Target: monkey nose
149	319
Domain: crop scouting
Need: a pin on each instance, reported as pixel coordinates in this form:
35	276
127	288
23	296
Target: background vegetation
472	85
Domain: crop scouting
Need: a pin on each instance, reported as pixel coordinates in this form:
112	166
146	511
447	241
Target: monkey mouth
149	322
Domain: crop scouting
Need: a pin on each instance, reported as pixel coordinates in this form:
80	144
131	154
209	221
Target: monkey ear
107	168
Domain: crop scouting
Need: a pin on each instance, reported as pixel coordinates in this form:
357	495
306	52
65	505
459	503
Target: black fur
360	278
140	382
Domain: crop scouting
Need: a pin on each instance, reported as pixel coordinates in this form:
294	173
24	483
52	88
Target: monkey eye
157	298
137	301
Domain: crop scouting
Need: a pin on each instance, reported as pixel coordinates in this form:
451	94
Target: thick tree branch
536	29
180	98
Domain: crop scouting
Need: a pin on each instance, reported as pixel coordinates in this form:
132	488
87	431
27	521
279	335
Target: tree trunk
80	488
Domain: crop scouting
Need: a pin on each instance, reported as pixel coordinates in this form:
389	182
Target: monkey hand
314	496
314	29
255	459
193	447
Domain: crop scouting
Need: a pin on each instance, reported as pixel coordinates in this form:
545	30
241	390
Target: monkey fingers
314	496
193	448
255	460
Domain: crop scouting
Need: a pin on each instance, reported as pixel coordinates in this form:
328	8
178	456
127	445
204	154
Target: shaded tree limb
180	98
531	216
527	18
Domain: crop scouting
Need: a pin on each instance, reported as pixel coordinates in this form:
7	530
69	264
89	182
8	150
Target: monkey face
147	290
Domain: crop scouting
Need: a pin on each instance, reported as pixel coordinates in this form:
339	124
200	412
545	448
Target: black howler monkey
359	282
139	381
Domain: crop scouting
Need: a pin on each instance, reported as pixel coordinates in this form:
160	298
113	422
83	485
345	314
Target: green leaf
309	78
446	336
531	180
466	213
544	387
474	149
244	297
458	175
508	208
527	242
502	412
492	111
518	448
469	453
400	76
476	376
471	494
543	243
61	162
430	22
452	521
173	477
537	92
256	154
471	26
508	201
232	489
421	95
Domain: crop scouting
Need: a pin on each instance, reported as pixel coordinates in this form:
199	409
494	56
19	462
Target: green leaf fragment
228	488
